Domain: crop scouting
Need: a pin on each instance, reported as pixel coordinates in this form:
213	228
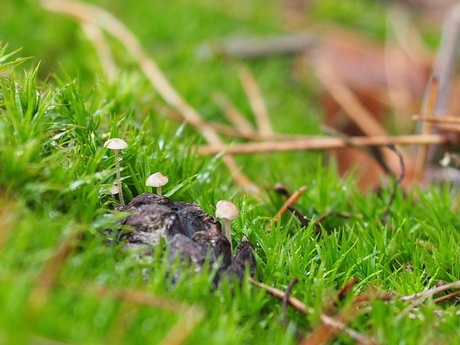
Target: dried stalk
348	101
47	277
327	321
100	44
431	292
321	143
234	116
191	316
292	301
438	119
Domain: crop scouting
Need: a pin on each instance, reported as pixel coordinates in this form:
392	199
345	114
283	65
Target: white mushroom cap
156	180
114	190
226	210
116	144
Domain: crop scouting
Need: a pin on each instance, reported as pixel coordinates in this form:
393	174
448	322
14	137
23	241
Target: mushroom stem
228	231
159	190
117	166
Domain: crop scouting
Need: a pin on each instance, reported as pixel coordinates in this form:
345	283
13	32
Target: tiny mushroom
157	180
116	145
227	211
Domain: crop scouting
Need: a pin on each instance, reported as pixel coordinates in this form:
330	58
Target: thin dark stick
287	293
398	180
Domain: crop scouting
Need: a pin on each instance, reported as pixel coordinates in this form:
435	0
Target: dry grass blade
234	116
328	324
137	297
349	103
121	324
7	216
419	298
47	277
321	143
438	119
97	16
256	101
331	326
447	297
102	48
191	316
397	182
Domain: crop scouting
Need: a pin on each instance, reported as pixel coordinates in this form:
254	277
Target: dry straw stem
321	143
331	326
419	298
96	16
8	215
118	331
292	301
234	116
47	277
191	316
351	105
256	101
438	119
100	44
431	292
348	101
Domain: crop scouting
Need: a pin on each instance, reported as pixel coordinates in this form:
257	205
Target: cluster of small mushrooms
194	236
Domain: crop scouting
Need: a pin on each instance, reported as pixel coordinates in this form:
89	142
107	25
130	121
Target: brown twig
438	119
119	328
448	297
331	326
289	202
191	316
431	292
334	324
287	293
348	101
321	143
292	301
303	220
376	154
397	182
103	19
